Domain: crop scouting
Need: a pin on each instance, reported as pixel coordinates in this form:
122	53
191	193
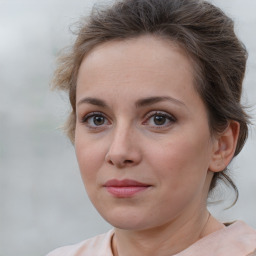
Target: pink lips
125	188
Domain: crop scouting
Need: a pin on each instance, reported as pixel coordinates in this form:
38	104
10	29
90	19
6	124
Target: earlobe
224	147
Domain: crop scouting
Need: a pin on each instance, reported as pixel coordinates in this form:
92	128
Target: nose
124	150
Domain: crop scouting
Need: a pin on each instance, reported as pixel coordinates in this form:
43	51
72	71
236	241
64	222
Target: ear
224	146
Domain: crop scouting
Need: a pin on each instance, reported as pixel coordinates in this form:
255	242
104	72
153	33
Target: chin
126	219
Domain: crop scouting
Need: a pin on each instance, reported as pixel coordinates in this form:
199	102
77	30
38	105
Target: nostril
128	162
110	161
120	160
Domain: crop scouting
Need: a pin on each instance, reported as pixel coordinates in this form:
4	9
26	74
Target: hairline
198	77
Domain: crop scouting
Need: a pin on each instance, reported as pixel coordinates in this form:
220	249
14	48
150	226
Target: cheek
180	167
89	156
182	160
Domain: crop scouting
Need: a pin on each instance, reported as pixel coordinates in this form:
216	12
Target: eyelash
167	117
92	115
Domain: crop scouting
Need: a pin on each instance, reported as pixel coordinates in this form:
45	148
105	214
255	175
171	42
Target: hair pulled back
198	27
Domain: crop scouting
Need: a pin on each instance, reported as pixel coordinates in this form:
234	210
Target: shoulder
237	239
98	245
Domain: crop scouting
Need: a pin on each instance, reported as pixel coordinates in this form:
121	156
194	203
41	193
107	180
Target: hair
201	29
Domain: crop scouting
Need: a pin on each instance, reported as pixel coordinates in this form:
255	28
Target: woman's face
142	138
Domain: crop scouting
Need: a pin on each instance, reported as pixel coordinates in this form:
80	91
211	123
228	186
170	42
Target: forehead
132	58
151	46
122	73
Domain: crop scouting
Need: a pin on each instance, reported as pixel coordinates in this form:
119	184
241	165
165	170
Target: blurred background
43	204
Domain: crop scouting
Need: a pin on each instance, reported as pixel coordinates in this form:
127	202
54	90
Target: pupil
98	120
159	120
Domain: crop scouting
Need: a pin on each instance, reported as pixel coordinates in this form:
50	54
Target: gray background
43	204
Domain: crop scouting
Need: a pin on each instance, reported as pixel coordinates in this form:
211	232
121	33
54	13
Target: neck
165	240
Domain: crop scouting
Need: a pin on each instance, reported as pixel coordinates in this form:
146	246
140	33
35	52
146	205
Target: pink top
97	246
237	239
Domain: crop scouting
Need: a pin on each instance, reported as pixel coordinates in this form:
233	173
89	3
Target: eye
159	119
95	120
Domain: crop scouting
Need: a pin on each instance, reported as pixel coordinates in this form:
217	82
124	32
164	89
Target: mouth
125	188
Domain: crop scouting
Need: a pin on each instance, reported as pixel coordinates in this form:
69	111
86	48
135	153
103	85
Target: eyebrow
139	103
93	101
153	100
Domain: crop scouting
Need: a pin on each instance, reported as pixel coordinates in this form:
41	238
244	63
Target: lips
125	188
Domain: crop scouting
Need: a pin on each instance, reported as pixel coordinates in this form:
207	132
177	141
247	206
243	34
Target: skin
176	158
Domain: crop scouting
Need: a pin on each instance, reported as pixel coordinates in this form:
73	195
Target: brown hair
198	27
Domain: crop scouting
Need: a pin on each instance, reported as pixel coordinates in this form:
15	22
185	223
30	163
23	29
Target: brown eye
98	120
95	120
159	120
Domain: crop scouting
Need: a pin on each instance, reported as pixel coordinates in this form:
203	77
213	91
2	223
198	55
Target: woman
155	88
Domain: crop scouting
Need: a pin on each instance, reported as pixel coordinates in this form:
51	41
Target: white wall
43	204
